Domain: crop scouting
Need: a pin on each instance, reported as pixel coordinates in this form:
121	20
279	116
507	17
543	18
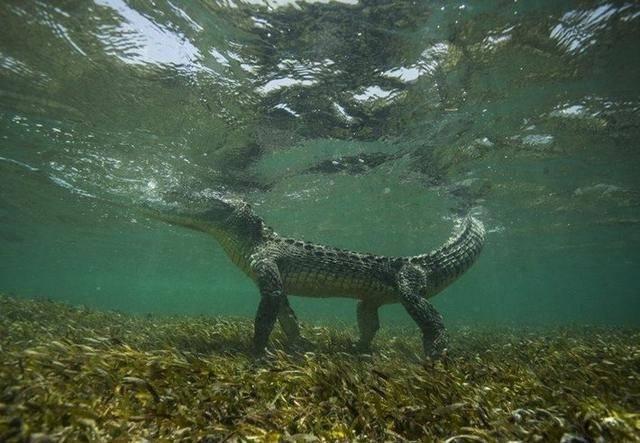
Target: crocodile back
320	271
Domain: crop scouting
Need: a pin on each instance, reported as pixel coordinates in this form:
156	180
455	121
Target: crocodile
282	266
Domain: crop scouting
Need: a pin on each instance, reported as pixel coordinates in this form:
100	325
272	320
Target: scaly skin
283	266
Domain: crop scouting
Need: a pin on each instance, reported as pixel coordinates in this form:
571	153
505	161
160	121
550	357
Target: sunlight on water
389	131
364	126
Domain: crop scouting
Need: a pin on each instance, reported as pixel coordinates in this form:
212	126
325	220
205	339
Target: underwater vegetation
74	374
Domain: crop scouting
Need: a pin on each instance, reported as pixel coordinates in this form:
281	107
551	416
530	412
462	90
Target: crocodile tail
457	254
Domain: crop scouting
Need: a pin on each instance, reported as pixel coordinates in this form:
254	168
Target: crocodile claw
436	349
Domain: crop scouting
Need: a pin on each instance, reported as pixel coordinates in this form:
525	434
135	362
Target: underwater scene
319	221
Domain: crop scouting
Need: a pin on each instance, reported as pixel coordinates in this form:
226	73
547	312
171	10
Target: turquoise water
362	125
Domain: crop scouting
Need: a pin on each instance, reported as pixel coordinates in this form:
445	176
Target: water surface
368	125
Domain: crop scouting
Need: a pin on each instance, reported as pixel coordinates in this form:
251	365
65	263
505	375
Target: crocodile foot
257	352
301	344
360	348
435	349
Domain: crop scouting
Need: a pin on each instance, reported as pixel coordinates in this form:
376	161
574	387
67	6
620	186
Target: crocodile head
207	211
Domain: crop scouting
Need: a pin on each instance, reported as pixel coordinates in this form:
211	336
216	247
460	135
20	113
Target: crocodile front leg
411	282
290	326
368	324
271	300
288	321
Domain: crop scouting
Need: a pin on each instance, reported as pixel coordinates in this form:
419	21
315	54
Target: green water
367	125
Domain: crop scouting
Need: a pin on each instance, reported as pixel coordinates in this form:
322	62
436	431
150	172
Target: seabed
72	374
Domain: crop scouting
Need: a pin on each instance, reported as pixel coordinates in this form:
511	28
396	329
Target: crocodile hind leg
412	282
271	299
368	324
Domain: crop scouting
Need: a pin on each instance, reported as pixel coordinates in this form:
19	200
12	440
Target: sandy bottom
73	374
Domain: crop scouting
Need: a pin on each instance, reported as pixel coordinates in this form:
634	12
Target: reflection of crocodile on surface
283	266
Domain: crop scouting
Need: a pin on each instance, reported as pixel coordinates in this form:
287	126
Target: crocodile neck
239	245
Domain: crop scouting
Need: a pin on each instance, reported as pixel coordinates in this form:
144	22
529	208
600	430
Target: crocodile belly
322	284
